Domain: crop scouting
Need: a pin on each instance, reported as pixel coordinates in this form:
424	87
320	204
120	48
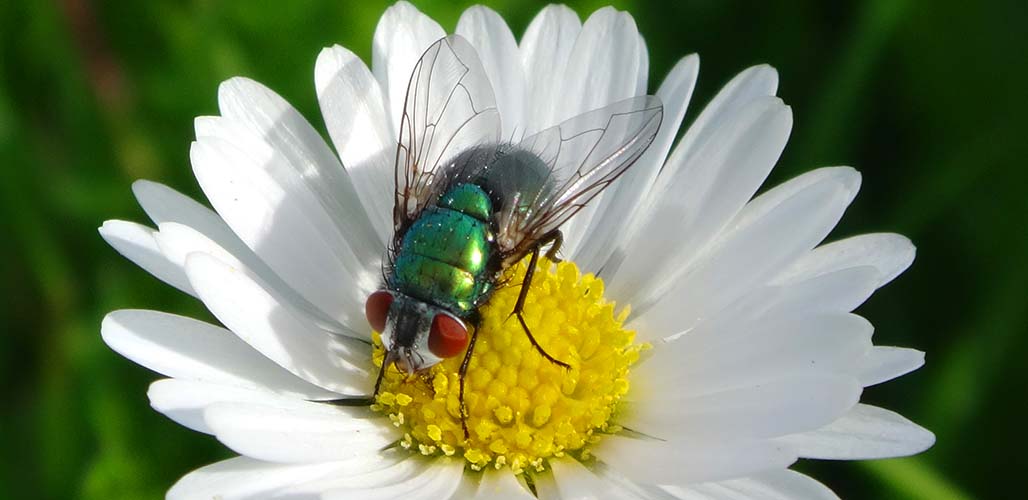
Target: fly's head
416	335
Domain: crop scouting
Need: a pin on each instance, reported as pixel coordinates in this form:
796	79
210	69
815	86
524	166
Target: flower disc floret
521	407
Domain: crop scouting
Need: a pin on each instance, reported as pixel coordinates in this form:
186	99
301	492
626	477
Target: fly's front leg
555	238
475	322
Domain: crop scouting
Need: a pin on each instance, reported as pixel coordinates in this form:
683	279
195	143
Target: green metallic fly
467	206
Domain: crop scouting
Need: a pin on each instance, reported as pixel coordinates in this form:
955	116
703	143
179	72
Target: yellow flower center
521	407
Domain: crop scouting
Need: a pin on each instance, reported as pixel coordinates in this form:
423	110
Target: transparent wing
449	108
583	156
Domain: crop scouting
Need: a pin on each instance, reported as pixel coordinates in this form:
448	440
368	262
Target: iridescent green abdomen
444	256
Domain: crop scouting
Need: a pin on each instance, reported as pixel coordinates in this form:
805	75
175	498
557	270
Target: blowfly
467	205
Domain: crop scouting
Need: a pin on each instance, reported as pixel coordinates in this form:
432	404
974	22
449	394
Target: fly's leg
386	361
555	238
474	320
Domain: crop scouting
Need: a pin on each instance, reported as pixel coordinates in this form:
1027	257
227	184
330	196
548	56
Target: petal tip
330	62
140	186
108	325
479	10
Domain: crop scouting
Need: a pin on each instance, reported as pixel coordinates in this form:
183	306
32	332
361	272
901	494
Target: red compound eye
377	309
448	336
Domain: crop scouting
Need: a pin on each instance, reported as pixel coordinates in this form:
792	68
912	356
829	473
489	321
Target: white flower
756	359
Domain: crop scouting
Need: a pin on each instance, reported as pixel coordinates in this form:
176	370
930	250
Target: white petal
835	292
282	223
280	178
299	432
545	50
759	207
770	408
684	183
751	84
692	203
185	226
866	432
276	122
643	73
136	242
623	198
885	363
770	485
495	44
178	241
186	348
602	69
439	481
184	401
163	204
333	362
382	468
840	291
639	490
685	462
546	485
603	65
355	113
763	314
890	254
501	484
746	353
243	478
401	37
571	480
763	238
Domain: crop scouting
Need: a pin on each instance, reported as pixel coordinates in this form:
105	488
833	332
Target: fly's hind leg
475	322
556	238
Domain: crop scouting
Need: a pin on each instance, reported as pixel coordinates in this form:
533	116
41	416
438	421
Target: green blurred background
927	99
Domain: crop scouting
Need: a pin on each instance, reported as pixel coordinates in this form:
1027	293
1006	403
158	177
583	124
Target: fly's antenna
409	354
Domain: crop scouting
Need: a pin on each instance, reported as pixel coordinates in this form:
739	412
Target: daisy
709	331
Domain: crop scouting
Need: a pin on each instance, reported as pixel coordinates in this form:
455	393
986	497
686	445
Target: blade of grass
913	479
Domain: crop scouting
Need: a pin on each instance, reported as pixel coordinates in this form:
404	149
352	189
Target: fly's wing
449	108
583	156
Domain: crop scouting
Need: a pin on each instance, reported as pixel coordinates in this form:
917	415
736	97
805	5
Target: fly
468	206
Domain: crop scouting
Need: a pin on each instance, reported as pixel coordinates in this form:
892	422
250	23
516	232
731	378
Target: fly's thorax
452	237
468	199
445	255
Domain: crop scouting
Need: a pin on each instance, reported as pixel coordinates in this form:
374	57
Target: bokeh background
927	99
